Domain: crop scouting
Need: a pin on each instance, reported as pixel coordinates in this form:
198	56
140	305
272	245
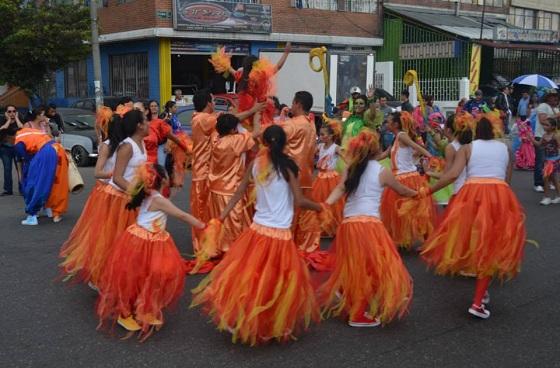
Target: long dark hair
149	115
130	121
484	129
149	178
360	150
115	134
275	139
248	62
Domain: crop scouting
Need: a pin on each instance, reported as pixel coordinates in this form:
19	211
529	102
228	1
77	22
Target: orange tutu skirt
237	221
368	273
144	274
407	229
323	185
261	290
483	232
104	218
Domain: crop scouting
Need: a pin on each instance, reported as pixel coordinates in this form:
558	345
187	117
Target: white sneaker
538	188
546	201
30	220
479	311
552	187
556	200
48	212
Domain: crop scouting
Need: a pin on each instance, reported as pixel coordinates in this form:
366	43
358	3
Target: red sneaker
364	321
479	311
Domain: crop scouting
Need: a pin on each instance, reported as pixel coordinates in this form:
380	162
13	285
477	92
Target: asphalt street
45	323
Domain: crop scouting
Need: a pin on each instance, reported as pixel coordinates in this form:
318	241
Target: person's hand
288	47
259	106
370	91
7	116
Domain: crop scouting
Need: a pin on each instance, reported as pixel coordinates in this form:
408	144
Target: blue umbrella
536	80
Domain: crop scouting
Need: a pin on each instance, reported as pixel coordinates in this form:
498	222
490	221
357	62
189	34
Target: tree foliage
37	38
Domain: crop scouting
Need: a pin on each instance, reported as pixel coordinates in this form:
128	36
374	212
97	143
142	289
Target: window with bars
522	18
75	79
355	6
494	3
128	75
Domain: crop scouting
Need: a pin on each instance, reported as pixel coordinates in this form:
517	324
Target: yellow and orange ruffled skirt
323	185
261	290
235	223
144	274
103	218
413	226
483	232
368	273
181	158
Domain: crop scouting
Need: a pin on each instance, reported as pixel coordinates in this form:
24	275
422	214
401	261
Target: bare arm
338	191
453	173
176	140
257	107
124	154
282	60
509	169
299	199
388	179
256	125
102	158
165	205
404	138
239	193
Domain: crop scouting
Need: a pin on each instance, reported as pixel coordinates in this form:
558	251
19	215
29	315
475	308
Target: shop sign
502	33
429	50
218	16
163	14
192	47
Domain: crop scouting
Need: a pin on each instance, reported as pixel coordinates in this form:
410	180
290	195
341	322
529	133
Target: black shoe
6	194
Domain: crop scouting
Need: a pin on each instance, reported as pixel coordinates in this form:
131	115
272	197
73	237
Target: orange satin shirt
203	125
34	139
227	165
301	145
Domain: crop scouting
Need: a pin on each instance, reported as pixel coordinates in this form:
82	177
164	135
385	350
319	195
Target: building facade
151	47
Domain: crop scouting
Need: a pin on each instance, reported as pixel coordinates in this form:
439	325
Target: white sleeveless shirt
460	181
138	158
275	202
367	197
402	159
153	221
110	163
489	159
327	157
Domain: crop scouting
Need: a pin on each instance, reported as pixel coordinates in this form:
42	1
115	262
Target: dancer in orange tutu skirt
369	283
483	231
261	290
144	273
328	178
408	227
105	215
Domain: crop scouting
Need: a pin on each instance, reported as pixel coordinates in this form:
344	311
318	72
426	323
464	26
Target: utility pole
95	53
482	20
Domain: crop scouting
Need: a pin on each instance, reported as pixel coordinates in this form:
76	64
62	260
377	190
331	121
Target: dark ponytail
148	178
275	139
115	134
130	121
360	151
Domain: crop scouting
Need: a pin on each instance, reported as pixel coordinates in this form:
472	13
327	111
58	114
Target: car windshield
82	122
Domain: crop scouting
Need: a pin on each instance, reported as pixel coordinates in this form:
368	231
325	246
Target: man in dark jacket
504	103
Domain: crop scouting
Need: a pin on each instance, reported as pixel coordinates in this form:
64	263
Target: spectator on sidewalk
547	109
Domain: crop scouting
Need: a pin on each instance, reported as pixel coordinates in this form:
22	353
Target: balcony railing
355	6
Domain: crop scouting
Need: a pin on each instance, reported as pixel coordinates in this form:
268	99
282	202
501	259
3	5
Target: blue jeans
7	154
539	165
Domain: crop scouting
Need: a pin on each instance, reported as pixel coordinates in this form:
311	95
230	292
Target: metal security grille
513	63
356	6
129	75
75	77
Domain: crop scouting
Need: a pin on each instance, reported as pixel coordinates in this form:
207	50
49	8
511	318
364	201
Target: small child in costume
551	143
525	154
144	272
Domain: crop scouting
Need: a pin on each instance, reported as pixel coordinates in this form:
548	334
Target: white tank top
460	181
402	159
367	197
327	157
153	221
138	158
275	202
489	159
110	163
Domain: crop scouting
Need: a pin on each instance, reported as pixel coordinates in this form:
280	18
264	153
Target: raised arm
282	60
257	107
165	205
239	193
